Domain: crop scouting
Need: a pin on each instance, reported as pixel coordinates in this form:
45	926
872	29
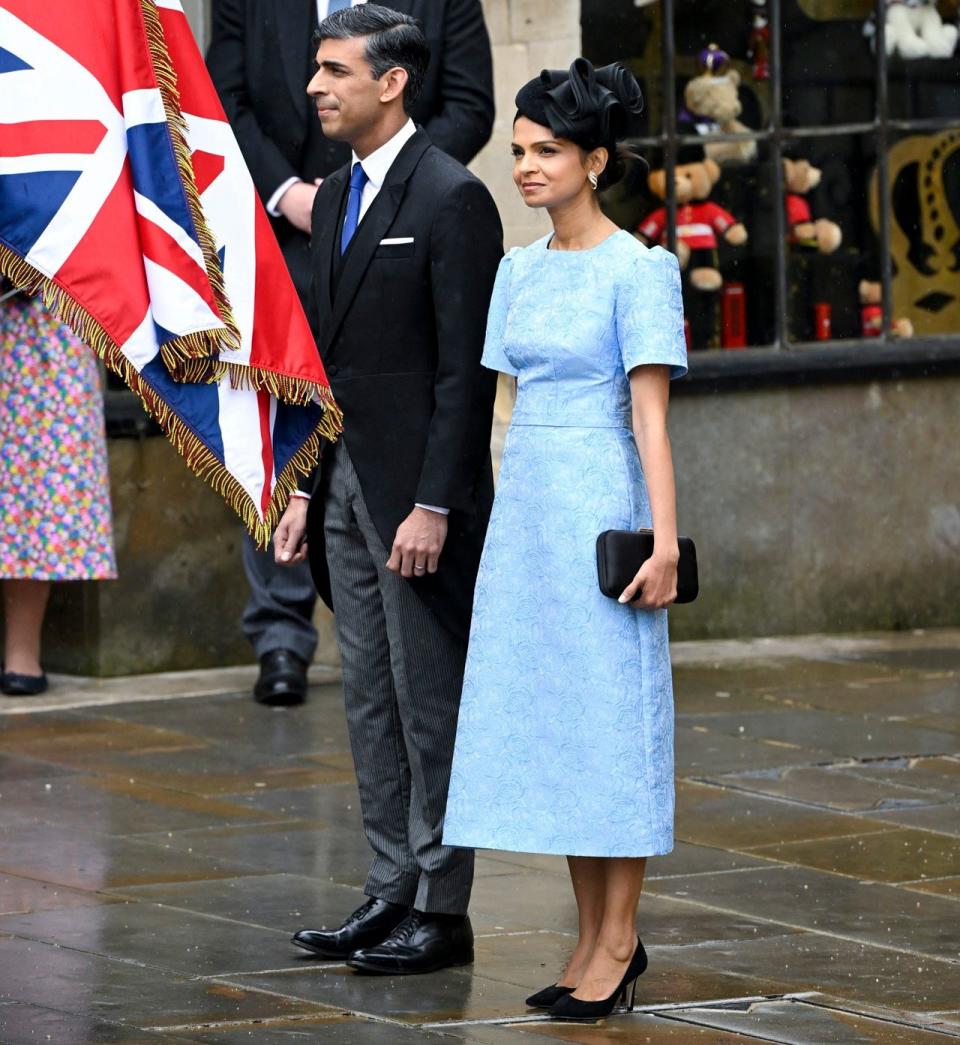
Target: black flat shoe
548	996
420	943
570	1008
282	681
367	926
14	685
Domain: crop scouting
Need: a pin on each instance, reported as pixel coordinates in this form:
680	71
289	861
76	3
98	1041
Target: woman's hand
655	585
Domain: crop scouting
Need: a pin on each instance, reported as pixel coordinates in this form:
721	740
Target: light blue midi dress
565	734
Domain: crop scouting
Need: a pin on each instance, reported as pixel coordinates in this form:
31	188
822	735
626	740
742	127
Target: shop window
810	180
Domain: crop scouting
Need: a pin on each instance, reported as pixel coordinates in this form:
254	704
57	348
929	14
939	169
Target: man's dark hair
393	40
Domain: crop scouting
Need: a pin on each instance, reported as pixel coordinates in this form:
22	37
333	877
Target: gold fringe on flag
296	391
200	459
186	348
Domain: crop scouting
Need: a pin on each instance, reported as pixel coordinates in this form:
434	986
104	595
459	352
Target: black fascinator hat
591	107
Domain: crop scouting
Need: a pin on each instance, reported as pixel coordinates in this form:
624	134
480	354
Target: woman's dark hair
593	108
393	40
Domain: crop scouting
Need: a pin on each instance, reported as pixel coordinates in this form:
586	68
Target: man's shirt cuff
274	201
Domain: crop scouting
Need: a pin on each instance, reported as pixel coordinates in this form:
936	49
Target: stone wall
527	36
181	589
821	507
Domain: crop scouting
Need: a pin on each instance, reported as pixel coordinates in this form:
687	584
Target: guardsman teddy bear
800	176
699	221
712	105
871	312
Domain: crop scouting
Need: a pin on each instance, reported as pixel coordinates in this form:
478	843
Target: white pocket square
396	241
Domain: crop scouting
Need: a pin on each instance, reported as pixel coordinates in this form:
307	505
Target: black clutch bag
620	553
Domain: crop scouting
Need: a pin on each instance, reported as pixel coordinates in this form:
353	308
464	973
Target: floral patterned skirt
55	520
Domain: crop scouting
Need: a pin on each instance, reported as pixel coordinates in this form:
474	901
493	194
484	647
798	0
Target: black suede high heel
570	1008
548	996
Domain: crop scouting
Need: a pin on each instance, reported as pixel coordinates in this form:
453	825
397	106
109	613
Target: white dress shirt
379	162
376	167
273	204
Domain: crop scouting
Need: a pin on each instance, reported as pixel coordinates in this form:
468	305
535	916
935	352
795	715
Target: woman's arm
655	585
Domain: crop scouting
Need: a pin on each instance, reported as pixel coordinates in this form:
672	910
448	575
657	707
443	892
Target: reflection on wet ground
159	847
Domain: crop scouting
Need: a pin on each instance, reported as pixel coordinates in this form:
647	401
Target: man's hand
418	544
290	536
296	204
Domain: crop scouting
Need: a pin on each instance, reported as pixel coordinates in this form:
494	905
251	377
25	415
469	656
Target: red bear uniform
697	225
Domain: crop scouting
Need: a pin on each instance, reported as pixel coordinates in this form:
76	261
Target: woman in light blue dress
565	734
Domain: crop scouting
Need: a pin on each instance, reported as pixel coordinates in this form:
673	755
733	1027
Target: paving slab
716	816
929	658
931	696
701	750
23	1024
337	1029
857	736
831	904
944	817
635	1029
314	727
319	849
23	895
285	902
134	994
832	787
949	887
82	859
797	1022
332	798
181	942
861	973
117	805
900	855
937	775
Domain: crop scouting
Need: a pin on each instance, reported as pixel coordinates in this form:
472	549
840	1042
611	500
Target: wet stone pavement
162	837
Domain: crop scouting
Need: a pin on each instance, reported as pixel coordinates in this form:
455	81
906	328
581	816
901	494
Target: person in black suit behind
261	59
405	249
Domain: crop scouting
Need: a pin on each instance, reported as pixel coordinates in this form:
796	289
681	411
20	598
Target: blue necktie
358	178
337	5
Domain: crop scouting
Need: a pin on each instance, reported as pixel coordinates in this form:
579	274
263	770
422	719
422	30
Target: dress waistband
535	419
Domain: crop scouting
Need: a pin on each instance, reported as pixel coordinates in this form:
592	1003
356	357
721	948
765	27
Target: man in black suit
261	58
405	248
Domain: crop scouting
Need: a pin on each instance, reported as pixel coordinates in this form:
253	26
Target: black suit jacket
261	57
401	336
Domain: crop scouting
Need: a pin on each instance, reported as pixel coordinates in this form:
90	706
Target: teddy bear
870	293
799	178
712	105
699	221
914	29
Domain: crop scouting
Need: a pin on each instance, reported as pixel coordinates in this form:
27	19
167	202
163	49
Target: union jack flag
125	201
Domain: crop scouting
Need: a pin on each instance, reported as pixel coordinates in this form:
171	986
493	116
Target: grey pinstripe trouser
402	676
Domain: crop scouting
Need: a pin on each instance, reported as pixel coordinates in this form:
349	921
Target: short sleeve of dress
494	357
650	313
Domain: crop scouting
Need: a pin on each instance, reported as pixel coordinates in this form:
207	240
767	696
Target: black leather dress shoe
283	679
15	685
420	943
367	926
